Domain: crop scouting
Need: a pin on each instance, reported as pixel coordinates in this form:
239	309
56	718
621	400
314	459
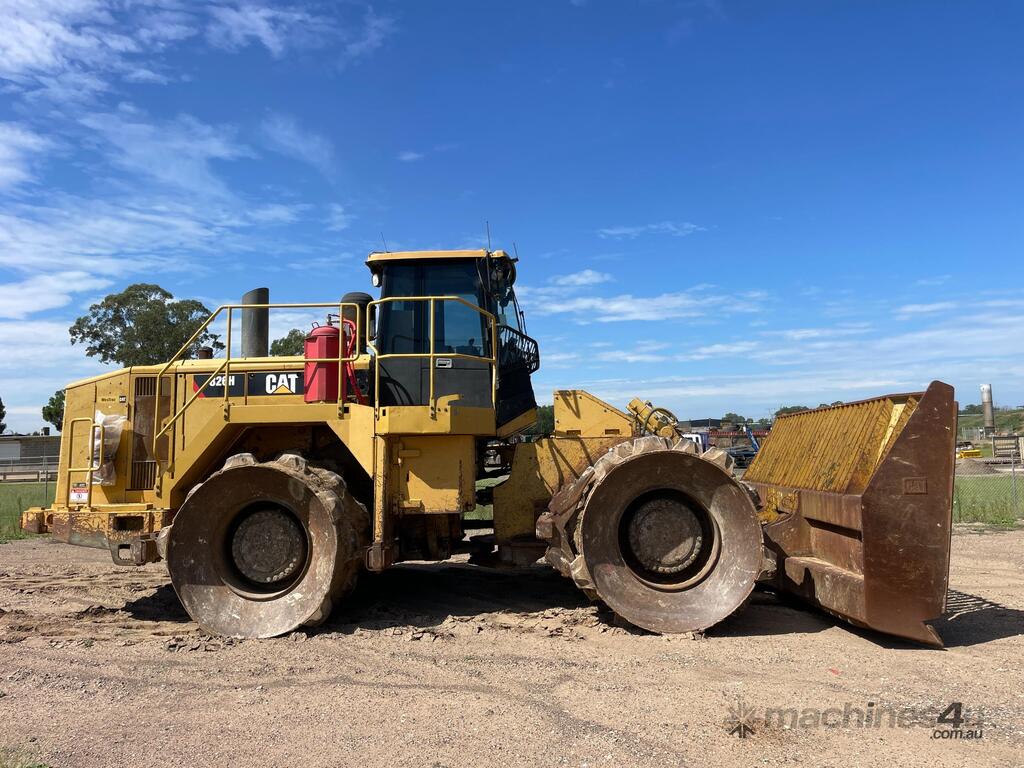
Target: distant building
29	449
702	425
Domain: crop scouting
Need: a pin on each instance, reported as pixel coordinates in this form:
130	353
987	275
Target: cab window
405	325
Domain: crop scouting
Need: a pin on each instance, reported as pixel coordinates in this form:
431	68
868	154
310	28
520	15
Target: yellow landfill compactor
267	484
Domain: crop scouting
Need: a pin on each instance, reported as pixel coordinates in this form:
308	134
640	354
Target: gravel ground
454	665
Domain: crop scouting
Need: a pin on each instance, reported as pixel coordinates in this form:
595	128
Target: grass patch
17	497
483	511
1006	421
19	758
990	499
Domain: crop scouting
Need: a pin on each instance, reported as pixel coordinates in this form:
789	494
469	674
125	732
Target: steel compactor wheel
665	536
259	549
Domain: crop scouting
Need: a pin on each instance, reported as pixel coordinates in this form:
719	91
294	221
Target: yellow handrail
225	366
95	459
197	393
432	354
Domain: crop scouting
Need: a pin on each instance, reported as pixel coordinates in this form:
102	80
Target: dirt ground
453	665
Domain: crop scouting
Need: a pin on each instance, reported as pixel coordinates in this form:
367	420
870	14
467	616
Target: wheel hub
665	535
269	546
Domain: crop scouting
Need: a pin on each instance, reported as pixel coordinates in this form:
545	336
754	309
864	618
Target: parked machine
267	484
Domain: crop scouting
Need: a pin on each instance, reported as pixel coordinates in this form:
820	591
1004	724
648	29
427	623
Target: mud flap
857	505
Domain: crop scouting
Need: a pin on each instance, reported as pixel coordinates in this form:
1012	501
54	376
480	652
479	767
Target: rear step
857	501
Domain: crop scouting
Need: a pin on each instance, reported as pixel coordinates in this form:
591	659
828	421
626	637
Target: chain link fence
24	483
990	488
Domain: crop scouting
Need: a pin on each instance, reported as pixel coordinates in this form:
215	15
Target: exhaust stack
256	324
987	409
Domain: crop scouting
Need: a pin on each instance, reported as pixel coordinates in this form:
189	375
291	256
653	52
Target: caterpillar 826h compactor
267	484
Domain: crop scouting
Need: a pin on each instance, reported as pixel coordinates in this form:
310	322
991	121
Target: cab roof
378	257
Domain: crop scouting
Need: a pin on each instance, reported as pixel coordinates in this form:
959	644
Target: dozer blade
857	501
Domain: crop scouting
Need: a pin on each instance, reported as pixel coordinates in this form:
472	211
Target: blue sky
718	205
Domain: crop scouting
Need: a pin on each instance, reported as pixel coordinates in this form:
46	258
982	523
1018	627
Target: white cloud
325	264
676	229
338	218
559	358
18	145
568	295
42	292
626	307
50	37
68	50
145	75
585	277
807	334
275	213
279	29
922	309
932	281
663	352
375	30
233	27
72	50
159	27
720	350
36	344
283	134
122	236
177	153
411	156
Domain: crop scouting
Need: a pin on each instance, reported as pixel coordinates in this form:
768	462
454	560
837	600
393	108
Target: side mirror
371	322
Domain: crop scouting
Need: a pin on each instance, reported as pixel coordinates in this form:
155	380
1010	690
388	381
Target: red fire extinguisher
321	374
321	378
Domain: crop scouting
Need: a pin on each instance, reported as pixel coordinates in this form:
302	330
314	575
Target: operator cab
473	280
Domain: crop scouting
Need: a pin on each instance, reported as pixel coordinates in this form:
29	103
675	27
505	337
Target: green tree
53	411
791	409
735	418
972	409
3	414
142	325
294	343
545	423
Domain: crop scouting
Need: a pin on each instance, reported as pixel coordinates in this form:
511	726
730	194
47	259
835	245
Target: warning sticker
79	493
